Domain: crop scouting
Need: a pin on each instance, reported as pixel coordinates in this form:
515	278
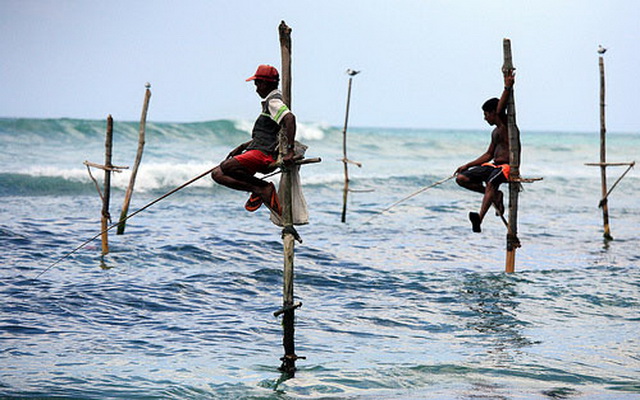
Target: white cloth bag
298	203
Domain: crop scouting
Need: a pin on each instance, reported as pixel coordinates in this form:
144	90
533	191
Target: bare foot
474	217
270	198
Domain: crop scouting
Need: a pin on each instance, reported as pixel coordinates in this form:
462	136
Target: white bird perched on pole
601	50
352	72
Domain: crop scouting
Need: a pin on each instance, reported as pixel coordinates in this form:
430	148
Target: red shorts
255	161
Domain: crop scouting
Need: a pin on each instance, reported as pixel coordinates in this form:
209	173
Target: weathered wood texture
108	144
134	171
288	319
345	159
603	155
514	164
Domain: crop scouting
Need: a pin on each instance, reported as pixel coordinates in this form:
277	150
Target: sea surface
406	304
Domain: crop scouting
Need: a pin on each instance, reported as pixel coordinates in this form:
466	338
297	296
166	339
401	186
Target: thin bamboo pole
288	234
107	186
134	171
603	155
514	163
345	159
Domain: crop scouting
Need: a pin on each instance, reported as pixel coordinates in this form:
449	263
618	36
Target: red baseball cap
266	73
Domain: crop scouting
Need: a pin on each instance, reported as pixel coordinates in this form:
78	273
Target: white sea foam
305	131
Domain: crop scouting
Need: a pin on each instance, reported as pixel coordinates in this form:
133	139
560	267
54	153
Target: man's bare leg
232	174
498	202
491	196
466	183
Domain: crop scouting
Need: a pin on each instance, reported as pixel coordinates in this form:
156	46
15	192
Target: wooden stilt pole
134	171
603	164
344	157
107	186
107	168
288	233
603	155
514	163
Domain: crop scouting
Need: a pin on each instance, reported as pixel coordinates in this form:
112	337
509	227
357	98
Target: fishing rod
410	196
189	182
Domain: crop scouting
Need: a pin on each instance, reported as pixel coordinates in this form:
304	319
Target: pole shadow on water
493	302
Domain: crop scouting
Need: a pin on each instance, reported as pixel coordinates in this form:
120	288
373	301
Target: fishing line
189	182
410	196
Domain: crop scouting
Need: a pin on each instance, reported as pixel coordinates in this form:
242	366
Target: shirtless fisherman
481	175
238	169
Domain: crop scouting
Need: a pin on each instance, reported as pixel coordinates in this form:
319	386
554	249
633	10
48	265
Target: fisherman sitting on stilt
482	176
259	154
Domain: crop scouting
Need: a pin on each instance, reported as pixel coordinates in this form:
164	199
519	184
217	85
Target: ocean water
410	305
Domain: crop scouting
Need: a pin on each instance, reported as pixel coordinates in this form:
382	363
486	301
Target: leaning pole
514	163
136	164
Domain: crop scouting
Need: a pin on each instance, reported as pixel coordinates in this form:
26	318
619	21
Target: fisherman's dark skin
497	152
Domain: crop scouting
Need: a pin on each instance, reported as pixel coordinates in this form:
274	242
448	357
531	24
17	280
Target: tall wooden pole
345	161
107	185
603	154
514	163
288	233
134	171
285	55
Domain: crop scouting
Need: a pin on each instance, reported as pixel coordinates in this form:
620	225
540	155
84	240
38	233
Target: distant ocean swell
14	184
45	157
161	178
70	130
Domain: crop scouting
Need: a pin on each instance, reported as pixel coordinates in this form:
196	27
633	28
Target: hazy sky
426	64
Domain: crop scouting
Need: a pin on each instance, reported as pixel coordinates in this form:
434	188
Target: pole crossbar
346	160
303	161
524	180
280	165
606	164
287	308
114	168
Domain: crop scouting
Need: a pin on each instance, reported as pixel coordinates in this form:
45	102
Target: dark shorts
486	173
255	161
